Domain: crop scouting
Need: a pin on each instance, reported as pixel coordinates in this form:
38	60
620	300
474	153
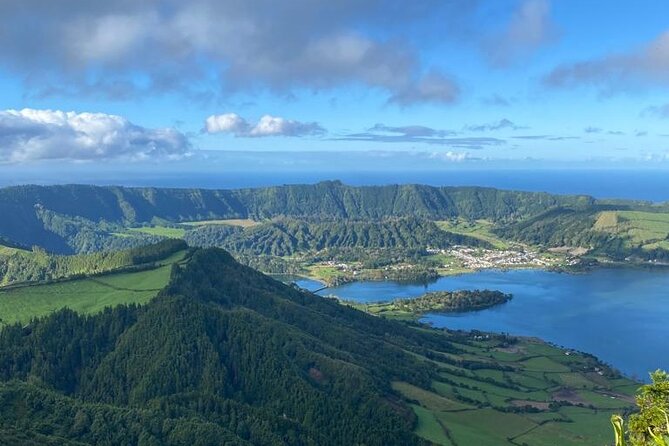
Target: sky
307	84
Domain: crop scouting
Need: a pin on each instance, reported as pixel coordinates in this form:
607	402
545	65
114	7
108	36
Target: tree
650	426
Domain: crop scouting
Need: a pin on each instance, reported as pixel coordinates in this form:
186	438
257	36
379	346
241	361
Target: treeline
38	265
453	301
223	355
73	218
284	237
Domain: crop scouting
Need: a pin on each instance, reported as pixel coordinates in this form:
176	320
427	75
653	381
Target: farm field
481	229
87	295
529	393
647	229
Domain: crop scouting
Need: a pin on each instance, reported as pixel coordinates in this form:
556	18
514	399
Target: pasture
86	295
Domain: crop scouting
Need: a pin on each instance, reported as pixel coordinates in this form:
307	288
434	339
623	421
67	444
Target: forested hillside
38	265
283	237
598	229
67	219
224	352
226	355
285	220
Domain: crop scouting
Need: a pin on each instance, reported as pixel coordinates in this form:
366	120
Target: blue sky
458	82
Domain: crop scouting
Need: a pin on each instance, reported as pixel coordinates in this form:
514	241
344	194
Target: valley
148	308
451	387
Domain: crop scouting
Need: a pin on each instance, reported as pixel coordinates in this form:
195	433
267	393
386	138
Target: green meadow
647	229
244	223
87	295
480	229
160	231
528	393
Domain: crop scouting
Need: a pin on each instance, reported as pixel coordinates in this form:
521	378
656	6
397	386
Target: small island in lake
437	301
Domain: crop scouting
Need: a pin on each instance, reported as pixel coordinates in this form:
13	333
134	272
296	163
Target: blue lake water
619	315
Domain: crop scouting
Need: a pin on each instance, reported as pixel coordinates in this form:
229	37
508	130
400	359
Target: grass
480	229
87	296
161	231
647	229
244	223
484	405
428	427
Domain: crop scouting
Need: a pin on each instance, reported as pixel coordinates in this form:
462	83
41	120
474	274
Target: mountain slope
226	355
221	339
66	219
283	237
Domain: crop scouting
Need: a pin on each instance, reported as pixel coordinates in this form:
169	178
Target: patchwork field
528	393
647	229
88	295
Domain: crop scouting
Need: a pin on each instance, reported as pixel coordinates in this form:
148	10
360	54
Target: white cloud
226	123
267	126
31	135
530	28
451	156
434	87
212	48
648	65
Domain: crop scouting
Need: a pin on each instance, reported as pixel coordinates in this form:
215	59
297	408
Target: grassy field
160	231
88	295
180	231
510	396
480	229
647	229
243	223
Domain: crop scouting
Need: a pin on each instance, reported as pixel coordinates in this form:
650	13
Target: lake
619	315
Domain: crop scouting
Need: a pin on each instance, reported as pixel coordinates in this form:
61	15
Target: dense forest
453	301
284	237
69	219
304	218
223	353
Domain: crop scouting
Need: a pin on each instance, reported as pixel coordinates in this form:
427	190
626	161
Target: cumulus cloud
31	135
529	29
207	48
648	65
267	126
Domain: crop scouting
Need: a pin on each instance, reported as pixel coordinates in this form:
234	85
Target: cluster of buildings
477	258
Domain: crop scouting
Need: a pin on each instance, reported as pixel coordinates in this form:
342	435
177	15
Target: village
478	258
